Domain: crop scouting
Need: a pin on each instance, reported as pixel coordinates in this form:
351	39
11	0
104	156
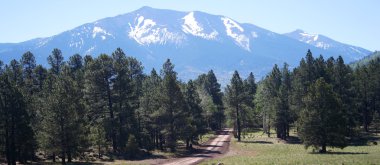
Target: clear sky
355	22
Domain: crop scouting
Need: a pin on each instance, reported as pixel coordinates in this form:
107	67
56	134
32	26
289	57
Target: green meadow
259	149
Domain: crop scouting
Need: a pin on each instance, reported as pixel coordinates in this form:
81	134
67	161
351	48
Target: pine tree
209	84
15	128
122	96
248	113
197	120
321	122
99	78
1	67
172	104
284	94
14	71
363	92
235	97
55	60
150	124
263	105
342	85
376	121
28	64
63	124
41	74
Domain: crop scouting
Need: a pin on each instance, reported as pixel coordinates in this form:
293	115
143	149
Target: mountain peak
145	8
298	31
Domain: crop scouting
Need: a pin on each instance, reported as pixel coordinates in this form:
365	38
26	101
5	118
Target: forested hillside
365	60
109	106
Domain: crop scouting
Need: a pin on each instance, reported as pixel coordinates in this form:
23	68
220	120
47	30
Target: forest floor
257	148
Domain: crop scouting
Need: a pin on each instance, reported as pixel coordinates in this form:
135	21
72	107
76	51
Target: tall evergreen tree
284	94
15	132
99	95
235	96
248	113
63	124
55	60
172	104
28	64
321	123
149	121
197	120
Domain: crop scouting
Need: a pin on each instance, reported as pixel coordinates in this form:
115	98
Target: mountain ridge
195	41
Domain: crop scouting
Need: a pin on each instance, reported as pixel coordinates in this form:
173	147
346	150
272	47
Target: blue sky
350	21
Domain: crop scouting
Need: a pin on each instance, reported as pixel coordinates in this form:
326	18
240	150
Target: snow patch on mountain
308	38
191	26
98	30
322	45
147	32
43	42
235	31
254	35
89	51
77	43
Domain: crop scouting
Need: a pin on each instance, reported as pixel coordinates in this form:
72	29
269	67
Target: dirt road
214	148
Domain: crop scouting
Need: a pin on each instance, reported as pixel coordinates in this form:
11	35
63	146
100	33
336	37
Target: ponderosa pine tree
41	74
63	124
363	92
208	85
284	93
197	123
342	85
99	95
235	96
248	117
15	130
28	64
150	124
172	105
321	122
56	62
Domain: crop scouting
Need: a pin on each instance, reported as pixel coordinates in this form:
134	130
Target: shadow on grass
293	140
340	153
364	140
257	142
73	163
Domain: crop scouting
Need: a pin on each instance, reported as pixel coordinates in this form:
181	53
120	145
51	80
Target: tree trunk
187	144
63	157
161	142
13	145
268	131
69	157
365	110
238	122
287	130
54	157
113	134
323	150
99	154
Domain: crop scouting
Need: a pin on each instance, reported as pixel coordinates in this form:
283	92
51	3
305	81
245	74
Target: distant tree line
109	105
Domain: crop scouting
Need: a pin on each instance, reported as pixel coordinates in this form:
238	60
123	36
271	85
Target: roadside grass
204	138
257	148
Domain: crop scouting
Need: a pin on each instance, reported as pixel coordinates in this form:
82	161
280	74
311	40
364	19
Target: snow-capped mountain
195	41
351	53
